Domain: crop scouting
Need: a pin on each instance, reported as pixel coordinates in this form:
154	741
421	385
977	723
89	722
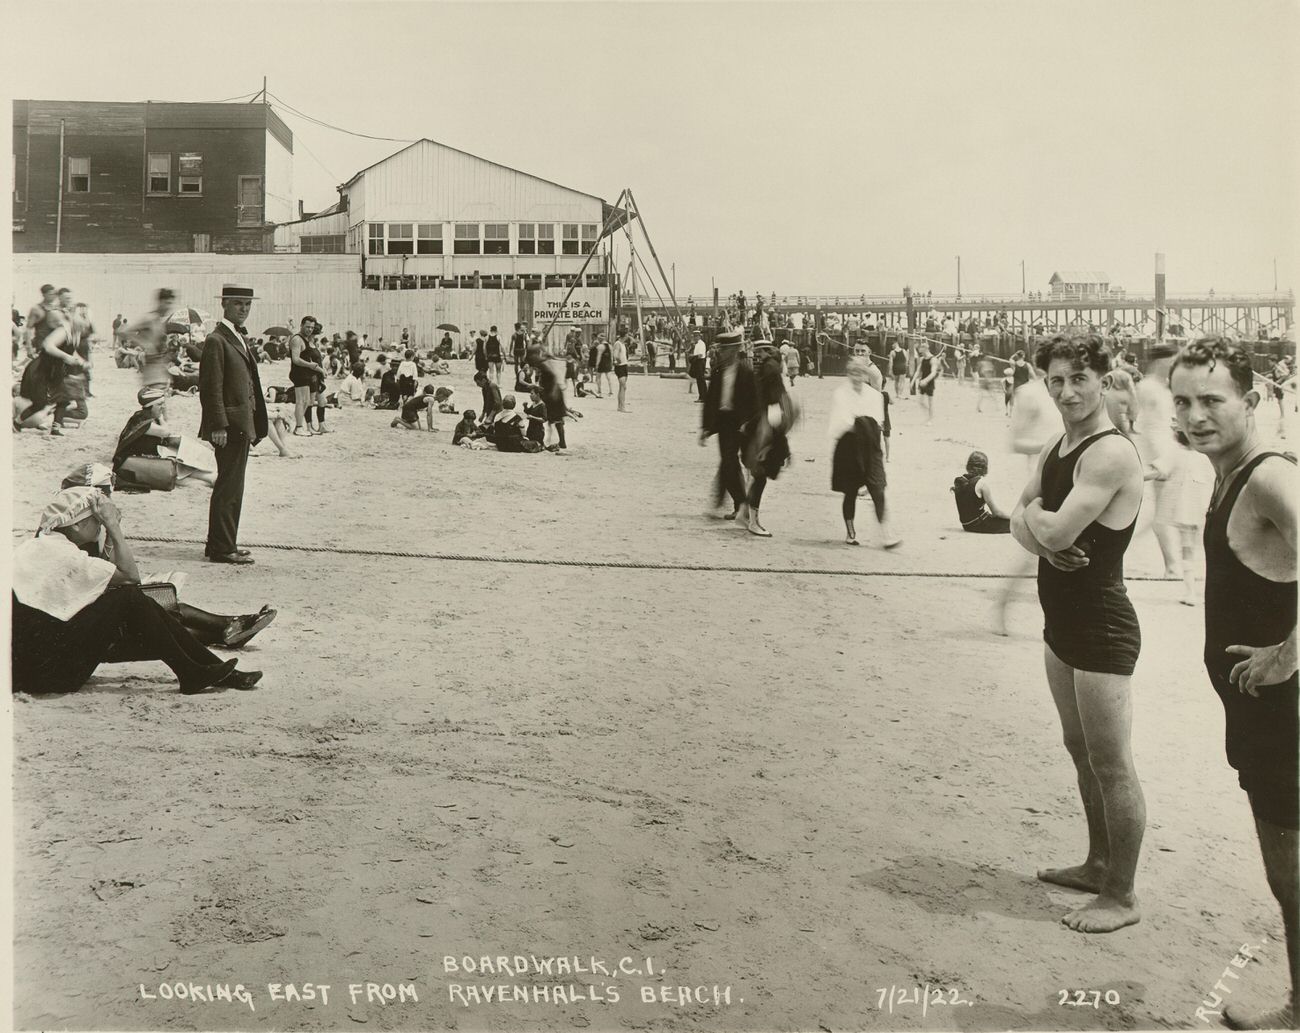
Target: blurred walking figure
149	334
1153	433
729	404
856	431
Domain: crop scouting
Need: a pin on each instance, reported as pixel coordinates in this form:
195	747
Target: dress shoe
243	552
231	557
241	680
208	679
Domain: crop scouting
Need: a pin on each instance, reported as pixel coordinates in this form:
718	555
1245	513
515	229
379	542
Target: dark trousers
701	385
122	625
730	481
227	494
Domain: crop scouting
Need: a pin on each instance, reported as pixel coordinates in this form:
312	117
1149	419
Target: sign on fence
586	305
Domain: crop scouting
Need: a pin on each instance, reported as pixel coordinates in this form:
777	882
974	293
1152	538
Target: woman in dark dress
54	342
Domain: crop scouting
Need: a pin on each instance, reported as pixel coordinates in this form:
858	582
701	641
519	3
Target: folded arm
1098	478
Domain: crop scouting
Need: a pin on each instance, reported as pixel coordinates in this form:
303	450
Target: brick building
149	177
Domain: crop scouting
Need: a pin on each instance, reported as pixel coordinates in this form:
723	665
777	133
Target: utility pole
959	277
58	223
1160	296
1022	277
1275	276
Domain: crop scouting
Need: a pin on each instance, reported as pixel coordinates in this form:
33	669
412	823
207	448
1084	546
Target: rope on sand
461	557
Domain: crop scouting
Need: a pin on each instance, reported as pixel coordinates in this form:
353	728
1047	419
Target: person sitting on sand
352	390
73	612
525	378
409	418
389	392
976	508
211	629
147	434
508	429
446	399
466	429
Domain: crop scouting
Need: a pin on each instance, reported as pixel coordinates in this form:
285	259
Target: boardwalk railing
923	301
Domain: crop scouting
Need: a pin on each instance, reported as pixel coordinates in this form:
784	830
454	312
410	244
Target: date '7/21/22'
1087	998
926	997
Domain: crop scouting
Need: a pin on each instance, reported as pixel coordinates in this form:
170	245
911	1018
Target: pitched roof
425	139
1075	276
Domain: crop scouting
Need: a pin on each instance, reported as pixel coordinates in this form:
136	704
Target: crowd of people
1112	446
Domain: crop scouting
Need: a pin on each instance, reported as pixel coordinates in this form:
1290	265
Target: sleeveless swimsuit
1243	608
1088	620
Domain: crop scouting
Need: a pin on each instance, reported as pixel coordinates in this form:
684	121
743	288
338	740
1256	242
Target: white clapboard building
431	220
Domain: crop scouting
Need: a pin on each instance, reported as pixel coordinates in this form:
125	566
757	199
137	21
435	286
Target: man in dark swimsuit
1077	515
1250	617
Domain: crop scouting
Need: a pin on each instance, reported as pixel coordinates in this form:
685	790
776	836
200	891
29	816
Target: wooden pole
58	223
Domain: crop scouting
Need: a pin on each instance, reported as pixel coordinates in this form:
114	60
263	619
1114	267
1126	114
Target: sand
802	790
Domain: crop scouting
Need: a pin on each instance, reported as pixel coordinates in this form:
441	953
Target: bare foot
1086	877
1102	915
1235	1016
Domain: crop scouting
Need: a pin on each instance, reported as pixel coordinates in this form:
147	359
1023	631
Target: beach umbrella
449	326
276	331
189	316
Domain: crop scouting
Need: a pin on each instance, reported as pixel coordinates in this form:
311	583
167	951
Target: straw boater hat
234	292
728	338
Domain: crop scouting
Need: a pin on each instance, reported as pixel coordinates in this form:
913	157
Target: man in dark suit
234	419
730	403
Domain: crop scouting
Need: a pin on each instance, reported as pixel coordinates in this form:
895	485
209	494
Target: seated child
508	426
409	418
466	429
446	399
388	389
535	410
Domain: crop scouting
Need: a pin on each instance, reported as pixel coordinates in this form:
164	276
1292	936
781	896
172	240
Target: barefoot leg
1088	875
1106	712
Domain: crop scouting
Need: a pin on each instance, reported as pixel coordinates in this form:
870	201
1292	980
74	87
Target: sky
795	147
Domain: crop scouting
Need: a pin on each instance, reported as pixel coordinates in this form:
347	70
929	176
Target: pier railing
923	301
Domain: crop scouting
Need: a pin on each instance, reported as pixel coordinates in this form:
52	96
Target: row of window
474	238
476	282
189	178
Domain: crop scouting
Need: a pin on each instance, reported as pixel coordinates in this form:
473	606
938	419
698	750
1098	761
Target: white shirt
408	369
699	351
52	575
238	336
352	389
848	404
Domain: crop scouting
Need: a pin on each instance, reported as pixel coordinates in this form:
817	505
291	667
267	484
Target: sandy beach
810	790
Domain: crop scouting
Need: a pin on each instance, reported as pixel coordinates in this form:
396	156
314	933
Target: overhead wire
334	176
310	118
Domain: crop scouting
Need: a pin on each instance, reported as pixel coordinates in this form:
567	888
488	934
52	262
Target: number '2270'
1087	998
